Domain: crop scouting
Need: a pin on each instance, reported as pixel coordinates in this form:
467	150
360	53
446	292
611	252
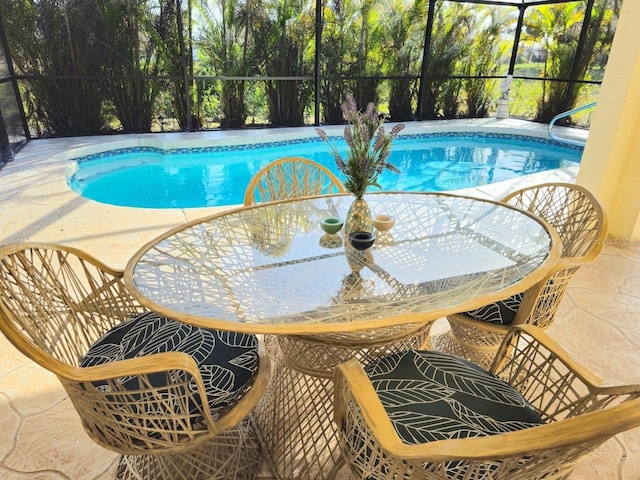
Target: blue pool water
215	176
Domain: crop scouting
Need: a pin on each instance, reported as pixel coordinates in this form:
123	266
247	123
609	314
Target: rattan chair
163	410
389	428
580	221
291	177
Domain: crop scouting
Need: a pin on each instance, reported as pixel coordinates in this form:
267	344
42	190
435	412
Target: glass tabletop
271	268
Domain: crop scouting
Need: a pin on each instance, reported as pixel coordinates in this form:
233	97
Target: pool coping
203	139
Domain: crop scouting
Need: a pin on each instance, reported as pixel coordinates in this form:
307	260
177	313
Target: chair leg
235	453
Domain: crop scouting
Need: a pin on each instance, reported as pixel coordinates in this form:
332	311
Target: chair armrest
158	362
177	400
351	384
536	339
73	378
548	376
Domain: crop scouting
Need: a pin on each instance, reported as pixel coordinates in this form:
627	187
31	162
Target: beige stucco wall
610	165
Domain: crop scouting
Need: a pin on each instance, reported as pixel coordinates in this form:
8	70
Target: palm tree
337	45
556	28
485	52
225	46
449	46
403	39
133	45
285	31
58	40
351	47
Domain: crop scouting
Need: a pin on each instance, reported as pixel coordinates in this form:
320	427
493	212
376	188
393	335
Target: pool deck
41	437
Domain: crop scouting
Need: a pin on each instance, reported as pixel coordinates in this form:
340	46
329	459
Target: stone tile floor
40	435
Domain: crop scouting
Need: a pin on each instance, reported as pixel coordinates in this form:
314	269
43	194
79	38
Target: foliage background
98	66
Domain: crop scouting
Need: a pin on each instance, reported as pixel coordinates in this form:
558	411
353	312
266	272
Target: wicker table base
479	349
295	415
235	452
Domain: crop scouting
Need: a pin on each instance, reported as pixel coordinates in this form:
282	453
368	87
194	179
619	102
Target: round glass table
271	269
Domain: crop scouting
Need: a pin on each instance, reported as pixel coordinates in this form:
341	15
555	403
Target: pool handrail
553	136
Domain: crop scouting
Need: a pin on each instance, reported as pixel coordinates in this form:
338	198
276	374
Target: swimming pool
152	177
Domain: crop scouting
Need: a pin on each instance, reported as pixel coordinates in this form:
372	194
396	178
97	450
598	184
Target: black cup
361	240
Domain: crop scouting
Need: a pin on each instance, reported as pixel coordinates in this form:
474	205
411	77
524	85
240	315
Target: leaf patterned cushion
502	312
431	396
227	360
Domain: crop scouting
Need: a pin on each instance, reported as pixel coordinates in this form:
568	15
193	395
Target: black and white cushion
431	396
502	312
226	360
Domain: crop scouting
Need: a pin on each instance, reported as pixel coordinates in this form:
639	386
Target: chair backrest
578	412
572	210
581	223
55	302
291	177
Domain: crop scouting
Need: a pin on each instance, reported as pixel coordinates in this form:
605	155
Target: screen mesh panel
12	134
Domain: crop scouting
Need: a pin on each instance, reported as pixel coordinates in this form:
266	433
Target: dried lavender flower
322	134
369	147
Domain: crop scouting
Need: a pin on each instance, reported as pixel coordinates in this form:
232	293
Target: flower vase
358	217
